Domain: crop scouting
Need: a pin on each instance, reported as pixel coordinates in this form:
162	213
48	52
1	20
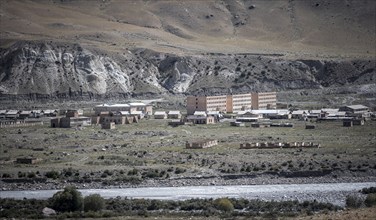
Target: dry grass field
151	152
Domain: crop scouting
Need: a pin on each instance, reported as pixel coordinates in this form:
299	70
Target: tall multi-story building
206	103
231	103
264	100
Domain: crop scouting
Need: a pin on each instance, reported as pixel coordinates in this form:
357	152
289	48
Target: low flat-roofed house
299	114
195	119
336	115
117	119
273	113
198	144
26	160
247	116
138	114
71	113
3	113
139	106
216	114
25	114
50	113
200	113
37	113
12	114
68	122
160	115
354	109
174	115
101	108
123	113
314	114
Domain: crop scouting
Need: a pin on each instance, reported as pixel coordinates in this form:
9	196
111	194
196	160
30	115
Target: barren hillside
115	47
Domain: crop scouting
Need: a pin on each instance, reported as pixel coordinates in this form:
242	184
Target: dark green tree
68	200
93	202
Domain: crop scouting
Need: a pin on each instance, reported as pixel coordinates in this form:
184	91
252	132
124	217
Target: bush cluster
69	203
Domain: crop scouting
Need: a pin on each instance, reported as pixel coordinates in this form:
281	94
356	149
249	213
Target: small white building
12	114
174	115
160	115
247	116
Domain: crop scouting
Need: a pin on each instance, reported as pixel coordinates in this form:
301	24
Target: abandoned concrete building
196	119
201	144
160	115
26	160
70	120
174	115
131	107
247	116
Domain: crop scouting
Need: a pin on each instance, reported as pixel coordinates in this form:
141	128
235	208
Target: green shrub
69	200
31	175
353	201
370	200
52	174
6	175
94	203
224	204
369	190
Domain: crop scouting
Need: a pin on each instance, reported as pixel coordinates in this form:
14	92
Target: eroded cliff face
69	70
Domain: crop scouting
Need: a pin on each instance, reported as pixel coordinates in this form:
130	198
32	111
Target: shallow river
331	192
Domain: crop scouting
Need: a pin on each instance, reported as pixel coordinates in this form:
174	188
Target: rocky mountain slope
71	70
115	48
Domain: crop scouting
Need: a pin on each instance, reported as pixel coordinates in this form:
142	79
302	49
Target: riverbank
225	180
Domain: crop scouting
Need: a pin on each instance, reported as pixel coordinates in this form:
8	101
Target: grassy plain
153	150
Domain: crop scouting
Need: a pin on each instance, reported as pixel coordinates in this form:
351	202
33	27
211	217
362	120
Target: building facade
232	103
264	100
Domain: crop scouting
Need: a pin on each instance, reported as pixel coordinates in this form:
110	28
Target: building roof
124	112
12	112
189	117
299	112
136	113
328	110
270	111
25	112
337	114
356	107
240	113
119	105
137	104
213	113
103	105
36	111
174	112
201	113
160	113
3	111
315	111
49	111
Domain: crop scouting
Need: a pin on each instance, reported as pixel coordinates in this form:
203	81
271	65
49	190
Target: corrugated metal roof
12	112
119	105
174	112
137	104
124	112
159	113
356	106
200	113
